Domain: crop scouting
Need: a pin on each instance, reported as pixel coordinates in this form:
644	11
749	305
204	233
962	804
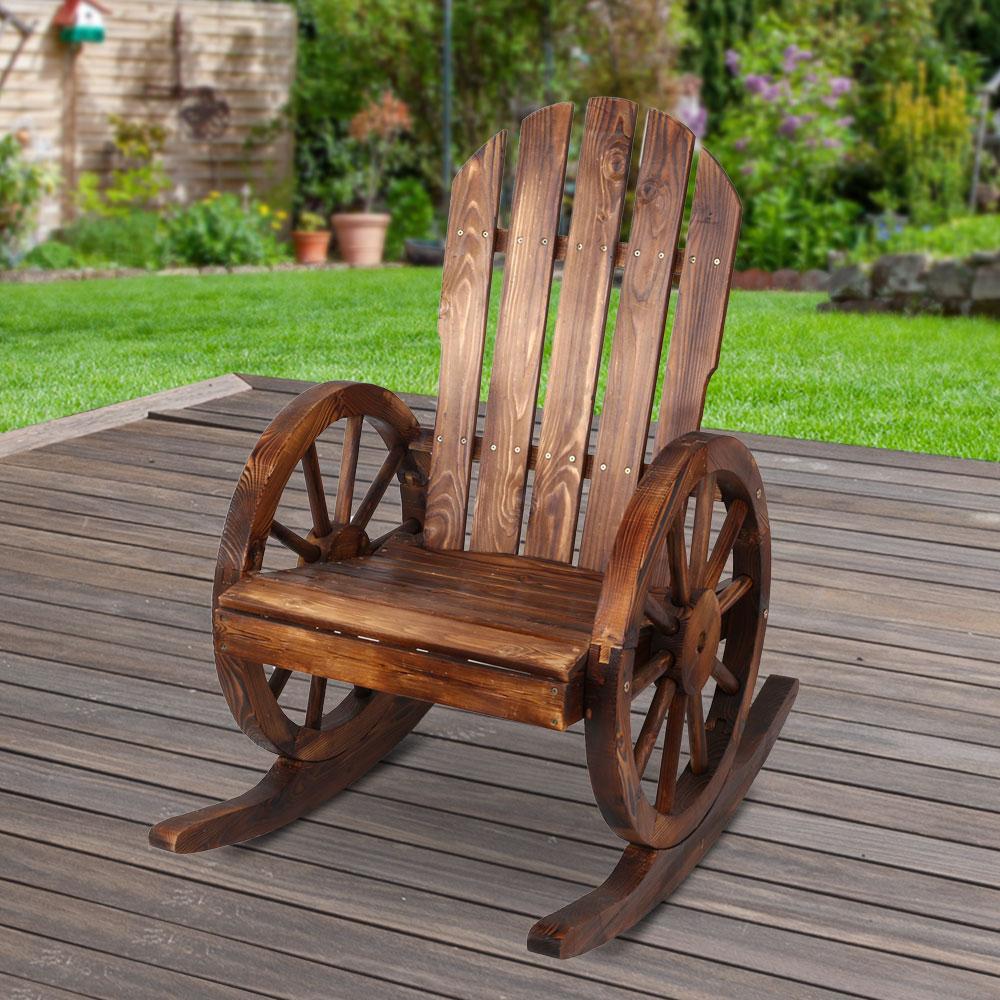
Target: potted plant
311	239
361	235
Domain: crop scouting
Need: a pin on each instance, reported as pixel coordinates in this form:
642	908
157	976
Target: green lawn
923	384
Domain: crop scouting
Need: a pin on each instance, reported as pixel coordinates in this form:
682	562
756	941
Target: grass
956	238
916	383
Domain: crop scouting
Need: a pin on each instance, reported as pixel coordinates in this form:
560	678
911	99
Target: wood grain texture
703	297
520	336
602	176
465	299
642	311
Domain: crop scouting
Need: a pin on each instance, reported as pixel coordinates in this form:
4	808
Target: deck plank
865	862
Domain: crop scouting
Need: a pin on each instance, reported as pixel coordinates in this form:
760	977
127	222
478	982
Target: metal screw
572	458
520	239
223	646
765	612
486	234
461	232
517	449
554	690
717	262
579	246
758	493
628	471
545	241
627	685
692	258
548	454
604	248
604	467
555	722
493	447
440	438
637	253
661	255
465	440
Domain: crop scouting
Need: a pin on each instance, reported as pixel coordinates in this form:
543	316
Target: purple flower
741	144
746	169
757	83
840	85
732	61
793	55
790	126
846	122
832	143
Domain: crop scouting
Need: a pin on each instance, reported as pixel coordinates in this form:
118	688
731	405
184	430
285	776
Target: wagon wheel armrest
636	553
290	439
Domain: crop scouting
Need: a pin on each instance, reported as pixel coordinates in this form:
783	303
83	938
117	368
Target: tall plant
22	186
375	128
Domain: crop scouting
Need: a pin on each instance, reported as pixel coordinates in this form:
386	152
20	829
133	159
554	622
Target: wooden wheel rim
289	440
627	808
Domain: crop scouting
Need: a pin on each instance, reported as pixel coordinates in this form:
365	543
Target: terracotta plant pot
311	247
361	237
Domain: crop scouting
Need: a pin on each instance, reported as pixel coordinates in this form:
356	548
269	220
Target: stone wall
918	283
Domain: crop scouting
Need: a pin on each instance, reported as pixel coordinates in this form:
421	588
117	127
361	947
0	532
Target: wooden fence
62	95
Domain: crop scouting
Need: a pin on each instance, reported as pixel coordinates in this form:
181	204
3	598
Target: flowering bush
22	187
374	130
789	136
221	230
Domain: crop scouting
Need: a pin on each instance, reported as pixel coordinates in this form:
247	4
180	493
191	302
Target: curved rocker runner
642	615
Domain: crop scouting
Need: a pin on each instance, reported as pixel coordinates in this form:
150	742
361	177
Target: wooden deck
865	862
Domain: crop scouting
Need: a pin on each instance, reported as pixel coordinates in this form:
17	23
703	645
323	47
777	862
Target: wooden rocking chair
505	623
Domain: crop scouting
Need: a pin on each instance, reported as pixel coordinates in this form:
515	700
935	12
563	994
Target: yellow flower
275	226
264	210
281	215
212	195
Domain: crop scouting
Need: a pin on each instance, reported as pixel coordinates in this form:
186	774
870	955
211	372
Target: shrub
220	231
138	182
412	214
129	240
22	187
955	238
790	138
927	144
51	256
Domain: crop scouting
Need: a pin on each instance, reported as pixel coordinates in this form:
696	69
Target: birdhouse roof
66	15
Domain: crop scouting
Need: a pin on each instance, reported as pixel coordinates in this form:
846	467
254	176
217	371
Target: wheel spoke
379	485
278	679
680	588
735	517
725	678
317	695
409	527
660	616
348	469
671	753
317	495
704	502
732	592
295	542
696	735
665	689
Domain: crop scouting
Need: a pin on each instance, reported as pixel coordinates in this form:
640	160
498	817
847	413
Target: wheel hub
698	641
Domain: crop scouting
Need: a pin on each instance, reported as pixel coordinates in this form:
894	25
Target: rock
214	269
899	275
171	271
986	286
250	269
983	257
752	280
814	280
787	279
851	282
949	280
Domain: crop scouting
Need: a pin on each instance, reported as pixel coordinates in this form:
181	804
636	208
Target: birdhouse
81	21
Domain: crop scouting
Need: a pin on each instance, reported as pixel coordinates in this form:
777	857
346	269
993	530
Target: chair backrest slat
702	300
520	336
465	300
599	196
642	311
